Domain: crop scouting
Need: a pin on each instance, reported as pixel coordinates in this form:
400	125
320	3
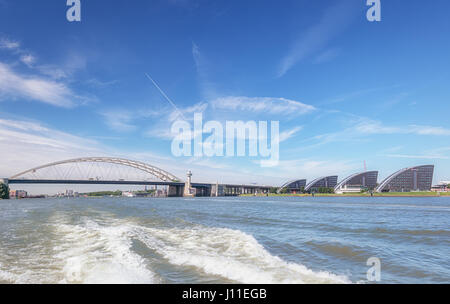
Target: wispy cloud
188	111
119	120
161	128
27	144
207	87
14	85
28	59
334	20
15	47
53	71
428	130
42	83
362	128
327	55
96	83
9	44
376	127
266	105
422	156
285	135
439	153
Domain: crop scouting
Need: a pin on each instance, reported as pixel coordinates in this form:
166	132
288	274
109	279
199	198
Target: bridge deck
93	182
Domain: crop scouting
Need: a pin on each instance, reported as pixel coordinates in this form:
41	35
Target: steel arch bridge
153	171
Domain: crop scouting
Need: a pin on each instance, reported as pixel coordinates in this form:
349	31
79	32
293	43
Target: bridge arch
155	171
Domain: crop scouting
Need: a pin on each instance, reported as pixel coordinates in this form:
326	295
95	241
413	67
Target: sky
345	91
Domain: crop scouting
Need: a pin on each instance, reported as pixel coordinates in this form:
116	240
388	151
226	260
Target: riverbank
387	194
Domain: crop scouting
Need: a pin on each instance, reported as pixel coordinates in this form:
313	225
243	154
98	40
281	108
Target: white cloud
267	105
207	87
187	112
438	153
53	71
361	128
25	144
14	85
94	82
376	127
119	120
422	156
28	59
9	44
327	55
285	135
429	130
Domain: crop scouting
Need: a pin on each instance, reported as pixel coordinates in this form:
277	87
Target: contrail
165	96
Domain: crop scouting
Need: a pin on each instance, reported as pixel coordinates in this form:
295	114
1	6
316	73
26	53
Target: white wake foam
228	253
6	276
101	251
93	253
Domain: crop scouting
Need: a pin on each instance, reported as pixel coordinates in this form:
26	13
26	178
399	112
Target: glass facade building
322	182
358	181
293	186
410	179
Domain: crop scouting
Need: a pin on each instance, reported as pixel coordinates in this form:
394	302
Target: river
224	240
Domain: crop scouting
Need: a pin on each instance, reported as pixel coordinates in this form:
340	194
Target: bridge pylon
188	190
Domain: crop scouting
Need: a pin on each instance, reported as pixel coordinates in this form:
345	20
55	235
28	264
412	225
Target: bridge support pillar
175	191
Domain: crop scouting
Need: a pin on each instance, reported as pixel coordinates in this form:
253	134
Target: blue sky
345	90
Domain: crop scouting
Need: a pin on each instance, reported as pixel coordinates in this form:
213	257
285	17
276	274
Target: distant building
18	194
358	182
293	186
128	194
441	187
322	182
409	179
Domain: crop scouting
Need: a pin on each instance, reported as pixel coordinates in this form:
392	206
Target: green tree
325	190
273	190
284	191
4	191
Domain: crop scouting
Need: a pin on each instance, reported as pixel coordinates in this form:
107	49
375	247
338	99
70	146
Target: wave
404	232
99	249
94	253
231	254
338	249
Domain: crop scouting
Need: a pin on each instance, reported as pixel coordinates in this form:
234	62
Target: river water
224	240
